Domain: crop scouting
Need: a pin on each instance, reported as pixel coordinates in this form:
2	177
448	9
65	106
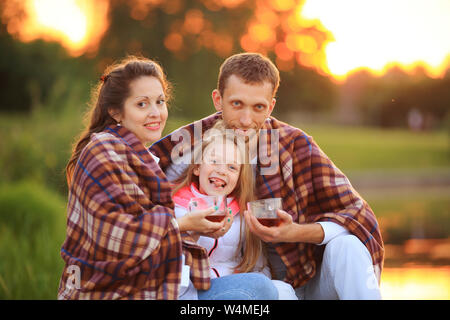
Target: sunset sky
367	33
375	33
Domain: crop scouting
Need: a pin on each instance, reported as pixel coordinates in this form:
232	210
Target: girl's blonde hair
250	246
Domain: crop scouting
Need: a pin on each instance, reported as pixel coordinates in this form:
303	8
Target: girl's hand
228	221
196	221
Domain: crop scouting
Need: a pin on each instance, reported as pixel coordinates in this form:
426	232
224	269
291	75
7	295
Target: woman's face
145	110
219	172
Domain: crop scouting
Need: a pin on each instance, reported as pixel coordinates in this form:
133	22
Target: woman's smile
154	126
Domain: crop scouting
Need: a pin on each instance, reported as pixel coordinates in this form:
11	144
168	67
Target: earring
119	124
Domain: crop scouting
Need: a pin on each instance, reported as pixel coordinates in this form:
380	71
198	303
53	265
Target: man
328	245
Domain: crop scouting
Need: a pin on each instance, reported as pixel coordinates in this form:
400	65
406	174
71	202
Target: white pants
346	272
285	290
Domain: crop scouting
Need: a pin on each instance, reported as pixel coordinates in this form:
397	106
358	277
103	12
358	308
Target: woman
123	241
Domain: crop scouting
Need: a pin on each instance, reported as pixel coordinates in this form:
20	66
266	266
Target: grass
32	231
37	146
362	148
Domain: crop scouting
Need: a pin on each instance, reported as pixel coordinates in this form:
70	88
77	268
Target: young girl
220	169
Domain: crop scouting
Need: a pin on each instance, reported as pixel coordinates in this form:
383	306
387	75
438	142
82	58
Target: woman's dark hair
109	96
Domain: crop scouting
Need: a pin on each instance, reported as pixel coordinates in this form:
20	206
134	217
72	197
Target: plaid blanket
122	239
313	189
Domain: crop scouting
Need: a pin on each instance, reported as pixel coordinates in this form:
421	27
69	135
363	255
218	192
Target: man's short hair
250	67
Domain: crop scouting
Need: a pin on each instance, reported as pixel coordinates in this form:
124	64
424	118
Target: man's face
244	106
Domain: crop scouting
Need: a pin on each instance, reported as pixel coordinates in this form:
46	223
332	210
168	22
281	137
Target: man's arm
331	230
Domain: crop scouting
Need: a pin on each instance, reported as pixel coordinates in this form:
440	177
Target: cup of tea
265	210
219	203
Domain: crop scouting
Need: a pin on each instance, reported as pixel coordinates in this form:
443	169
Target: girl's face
219	172
145	110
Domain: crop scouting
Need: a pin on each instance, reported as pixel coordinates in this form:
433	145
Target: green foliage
389	100
38	73
194	71
36	147
305	90
193	74
27	208
365	148
31	234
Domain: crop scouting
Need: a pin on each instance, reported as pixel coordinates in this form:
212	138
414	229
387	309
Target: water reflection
416	283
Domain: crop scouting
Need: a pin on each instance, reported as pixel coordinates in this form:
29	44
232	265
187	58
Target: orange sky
367	33
375	34
77	24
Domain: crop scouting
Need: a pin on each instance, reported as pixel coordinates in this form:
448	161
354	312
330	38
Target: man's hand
282	233
286	231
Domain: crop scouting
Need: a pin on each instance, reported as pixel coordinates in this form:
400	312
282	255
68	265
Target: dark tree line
29	72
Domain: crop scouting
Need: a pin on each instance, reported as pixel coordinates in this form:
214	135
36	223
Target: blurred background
369	80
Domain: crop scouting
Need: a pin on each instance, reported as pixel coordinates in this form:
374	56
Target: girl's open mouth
217	182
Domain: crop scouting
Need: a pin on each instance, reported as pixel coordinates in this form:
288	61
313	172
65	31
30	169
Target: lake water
416	283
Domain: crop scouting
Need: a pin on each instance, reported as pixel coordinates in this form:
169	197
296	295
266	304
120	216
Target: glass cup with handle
219	203
265	210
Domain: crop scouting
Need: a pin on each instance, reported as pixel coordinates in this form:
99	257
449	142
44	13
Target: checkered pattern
313	189
121	231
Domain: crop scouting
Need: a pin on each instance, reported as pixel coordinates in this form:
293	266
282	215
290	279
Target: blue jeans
240	286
